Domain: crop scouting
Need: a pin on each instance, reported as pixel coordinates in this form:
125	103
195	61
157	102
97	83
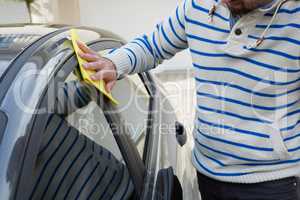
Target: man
246	57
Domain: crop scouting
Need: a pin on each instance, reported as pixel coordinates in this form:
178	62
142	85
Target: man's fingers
109	85
89	57
94	65
108	75
101	75
84	48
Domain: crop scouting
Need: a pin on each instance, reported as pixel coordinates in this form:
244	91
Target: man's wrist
121	61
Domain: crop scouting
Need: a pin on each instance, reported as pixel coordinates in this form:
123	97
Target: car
142	131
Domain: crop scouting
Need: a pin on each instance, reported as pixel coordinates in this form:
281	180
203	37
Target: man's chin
235	7
238	11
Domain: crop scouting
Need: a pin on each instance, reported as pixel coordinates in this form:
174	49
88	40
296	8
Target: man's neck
246	7
266	5
234	17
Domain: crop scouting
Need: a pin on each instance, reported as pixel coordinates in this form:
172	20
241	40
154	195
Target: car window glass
133	106
90	121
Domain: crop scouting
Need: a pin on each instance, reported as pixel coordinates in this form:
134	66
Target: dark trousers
284	189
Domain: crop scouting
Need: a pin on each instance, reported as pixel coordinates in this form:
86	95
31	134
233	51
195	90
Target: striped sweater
247	124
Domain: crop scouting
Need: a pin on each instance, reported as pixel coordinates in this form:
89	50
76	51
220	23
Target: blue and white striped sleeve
147	51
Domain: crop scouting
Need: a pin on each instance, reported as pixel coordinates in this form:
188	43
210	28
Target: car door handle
181	135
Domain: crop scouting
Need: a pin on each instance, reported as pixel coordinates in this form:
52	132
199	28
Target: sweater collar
270	6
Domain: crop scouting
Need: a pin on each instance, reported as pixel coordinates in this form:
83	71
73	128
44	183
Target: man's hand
105	69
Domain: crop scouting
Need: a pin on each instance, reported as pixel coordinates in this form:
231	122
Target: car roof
16	37
13	38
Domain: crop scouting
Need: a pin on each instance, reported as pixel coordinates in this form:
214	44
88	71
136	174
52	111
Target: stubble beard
240	7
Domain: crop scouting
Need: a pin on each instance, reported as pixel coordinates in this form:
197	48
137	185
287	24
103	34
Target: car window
133	107
90	121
